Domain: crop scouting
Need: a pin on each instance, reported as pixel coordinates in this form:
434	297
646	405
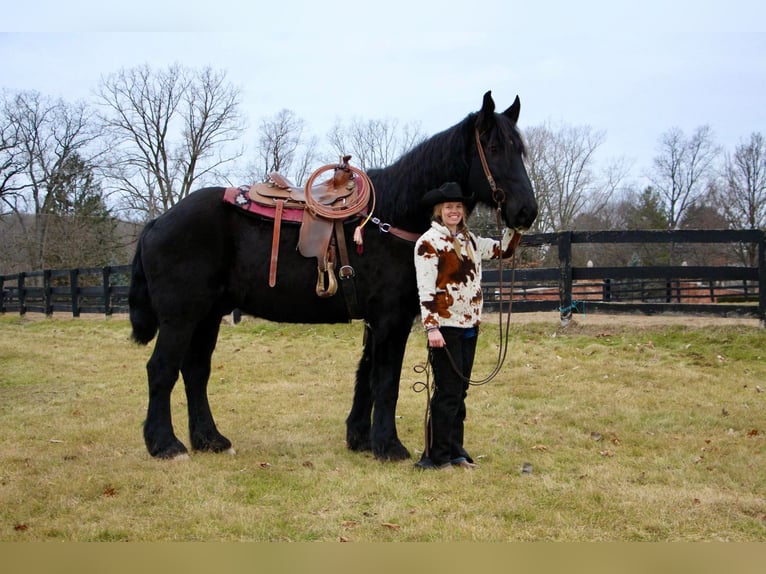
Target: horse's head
497	174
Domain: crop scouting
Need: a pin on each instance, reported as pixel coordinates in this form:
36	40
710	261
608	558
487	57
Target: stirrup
332	282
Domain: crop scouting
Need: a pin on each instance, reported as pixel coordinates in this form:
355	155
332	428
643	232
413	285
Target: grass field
635	431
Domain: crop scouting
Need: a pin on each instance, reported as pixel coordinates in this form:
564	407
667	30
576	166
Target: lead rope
419	387
498	195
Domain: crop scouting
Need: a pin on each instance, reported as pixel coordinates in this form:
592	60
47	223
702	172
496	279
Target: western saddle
321	209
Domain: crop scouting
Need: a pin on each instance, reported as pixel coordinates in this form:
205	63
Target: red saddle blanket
240	196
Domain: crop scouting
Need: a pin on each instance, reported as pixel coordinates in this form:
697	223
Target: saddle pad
240	196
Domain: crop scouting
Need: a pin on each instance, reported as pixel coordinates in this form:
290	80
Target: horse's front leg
358	421
196	373
386	373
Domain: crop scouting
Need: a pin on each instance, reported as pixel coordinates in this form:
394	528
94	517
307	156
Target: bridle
499	197
498	193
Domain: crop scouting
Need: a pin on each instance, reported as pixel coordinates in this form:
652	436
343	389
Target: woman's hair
462	230
437	216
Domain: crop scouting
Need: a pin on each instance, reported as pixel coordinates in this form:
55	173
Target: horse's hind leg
162	370
196	372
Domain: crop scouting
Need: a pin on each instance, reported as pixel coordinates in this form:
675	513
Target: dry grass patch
632	433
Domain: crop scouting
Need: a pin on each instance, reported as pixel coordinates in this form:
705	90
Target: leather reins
498	196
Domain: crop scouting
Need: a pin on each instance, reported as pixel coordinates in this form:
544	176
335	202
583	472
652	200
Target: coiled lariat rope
365	190
425	386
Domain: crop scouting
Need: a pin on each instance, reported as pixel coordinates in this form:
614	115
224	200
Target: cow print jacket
449	274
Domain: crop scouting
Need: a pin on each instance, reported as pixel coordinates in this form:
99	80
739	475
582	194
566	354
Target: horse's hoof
180	456
393	453
173	451
231	451
218	443
357	443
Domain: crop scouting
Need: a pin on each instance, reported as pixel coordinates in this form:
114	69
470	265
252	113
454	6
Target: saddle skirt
240	197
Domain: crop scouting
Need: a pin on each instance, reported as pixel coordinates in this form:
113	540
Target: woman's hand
509	242
435	338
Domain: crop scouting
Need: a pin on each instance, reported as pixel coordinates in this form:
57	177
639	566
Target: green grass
648	433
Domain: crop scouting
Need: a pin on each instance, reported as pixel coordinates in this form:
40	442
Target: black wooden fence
96	290
724	290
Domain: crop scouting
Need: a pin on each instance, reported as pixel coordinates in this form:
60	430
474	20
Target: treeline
78	179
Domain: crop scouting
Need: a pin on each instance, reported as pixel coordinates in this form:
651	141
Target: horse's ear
513	111
486	118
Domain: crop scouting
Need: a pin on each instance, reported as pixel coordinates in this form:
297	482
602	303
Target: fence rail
76	291
724	290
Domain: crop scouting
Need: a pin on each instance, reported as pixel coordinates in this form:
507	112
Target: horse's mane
443	157
399	186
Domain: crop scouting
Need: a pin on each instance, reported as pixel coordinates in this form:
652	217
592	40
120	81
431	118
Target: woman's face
452	213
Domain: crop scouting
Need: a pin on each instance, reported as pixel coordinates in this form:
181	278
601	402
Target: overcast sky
630	69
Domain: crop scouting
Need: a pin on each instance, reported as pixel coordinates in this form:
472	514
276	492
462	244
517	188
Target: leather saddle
279	188
320	208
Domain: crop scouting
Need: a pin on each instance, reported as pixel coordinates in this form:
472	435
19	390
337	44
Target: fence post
74	289
565	277
107	271
47	293
22	294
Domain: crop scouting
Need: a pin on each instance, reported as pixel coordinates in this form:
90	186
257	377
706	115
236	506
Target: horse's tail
142	316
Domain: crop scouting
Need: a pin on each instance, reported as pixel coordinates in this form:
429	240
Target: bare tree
12	162
374	143
307	160
742	194
561	164
50	137
682	170
283	146
170	131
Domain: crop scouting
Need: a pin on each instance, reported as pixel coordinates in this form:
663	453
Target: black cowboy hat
449	191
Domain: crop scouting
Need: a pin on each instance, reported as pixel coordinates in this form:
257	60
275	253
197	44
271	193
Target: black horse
203	258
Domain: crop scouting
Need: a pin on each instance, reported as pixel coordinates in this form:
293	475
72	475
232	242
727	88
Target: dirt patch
627	320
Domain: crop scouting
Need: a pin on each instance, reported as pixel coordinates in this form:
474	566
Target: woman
448	266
